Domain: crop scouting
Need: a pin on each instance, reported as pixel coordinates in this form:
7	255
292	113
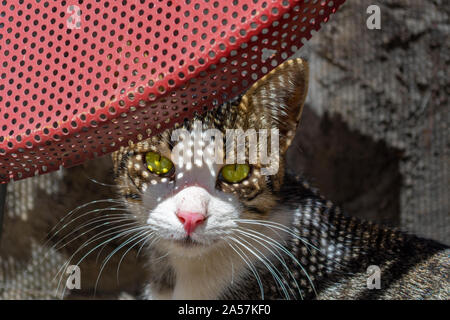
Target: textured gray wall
384	95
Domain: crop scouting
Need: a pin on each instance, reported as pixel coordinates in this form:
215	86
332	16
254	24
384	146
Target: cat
218	230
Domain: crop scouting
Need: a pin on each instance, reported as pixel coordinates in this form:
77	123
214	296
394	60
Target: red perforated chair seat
80	78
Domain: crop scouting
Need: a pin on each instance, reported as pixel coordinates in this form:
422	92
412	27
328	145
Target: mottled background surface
374	138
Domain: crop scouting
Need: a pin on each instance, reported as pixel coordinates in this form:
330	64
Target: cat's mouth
187	242
187	247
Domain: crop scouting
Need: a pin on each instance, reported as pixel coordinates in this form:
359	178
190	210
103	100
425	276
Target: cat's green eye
234	173
158	164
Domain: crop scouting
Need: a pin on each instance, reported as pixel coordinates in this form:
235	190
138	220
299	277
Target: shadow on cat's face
181	185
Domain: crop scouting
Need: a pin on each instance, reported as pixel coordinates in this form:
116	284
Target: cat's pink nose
190	220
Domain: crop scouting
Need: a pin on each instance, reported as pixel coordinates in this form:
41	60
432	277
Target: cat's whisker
232	271
105	261
277	255
100	251
98	182
84	206
159	258
103	247
112	209
96	227
123	233
107	221
97	257
134	184
281	237
240	228
267	263
279	226
286	251
86	243
307	244
78	228
151	237
115	206
146	236
249	264
290	254
48	250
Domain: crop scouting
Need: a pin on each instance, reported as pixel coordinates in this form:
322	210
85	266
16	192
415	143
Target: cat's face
186	191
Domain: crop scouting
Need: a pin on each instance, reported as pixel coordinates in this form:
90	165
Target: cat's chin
187	247
187	243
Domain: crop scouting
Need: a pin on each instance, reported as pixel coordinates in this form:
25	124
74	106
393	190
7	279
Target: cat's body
232	232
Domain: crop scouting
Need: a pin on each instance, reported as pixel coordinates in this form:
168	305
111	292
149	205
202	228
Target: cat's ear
276	100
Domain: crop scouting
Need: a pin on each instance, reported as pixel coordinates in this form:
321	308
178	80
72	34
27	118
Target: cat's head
192	198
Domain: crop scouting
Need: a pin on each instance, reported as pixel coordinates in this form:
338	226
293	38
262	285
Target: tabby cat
215	230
